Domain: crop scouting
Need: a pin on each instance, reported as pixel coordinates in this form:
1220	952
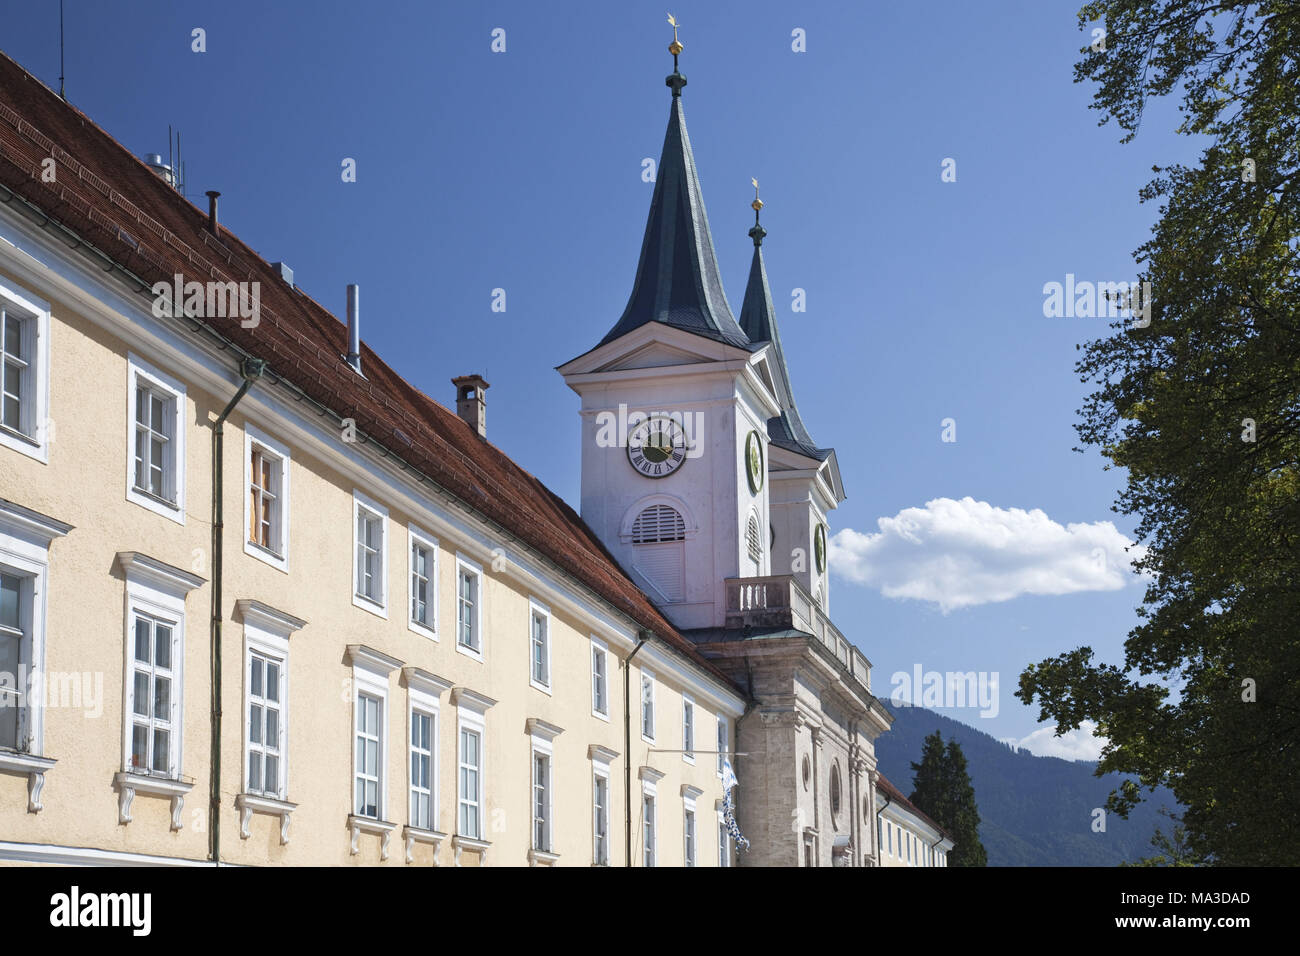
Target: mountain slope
1034	811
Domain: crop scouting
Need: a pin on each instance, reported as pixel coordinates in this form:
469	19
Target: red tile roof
896	796
114	201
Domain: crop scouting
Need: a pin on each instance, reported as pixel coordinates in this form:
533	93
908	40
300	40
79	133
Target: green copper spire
758	321
677	278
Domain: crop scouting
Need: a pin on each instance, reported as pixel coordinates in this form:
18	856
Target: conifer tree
943	791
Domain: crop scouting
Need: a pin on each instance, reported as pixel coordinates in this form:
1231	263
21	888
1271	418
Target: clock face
656	447
819	547
754	461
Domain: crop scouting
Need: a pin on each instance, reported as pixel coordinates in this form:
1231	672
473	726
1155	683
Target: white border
416	535
39	365
361	500
255	436
138	368
601	647
480	611
537	607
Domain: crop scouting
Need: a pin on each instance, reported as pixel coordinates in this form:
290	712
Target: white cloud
1081	744
959	554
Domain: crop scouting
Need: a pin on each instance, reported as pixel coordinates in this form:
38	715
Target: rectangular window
370	549
541	802
422	737
153	704
470	795
369	756
599	678
648	706
424	584
156	437
724	843
469	611
688	829
24	372
264	500
688	730
724	742
600	819
648	828
539	643
17	338
265	725
15	658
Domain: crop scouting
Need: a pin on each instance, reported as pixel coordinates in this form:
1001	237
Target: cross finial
675	47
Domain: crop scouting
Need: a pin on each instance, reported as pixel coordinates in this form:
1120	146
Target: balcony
779	601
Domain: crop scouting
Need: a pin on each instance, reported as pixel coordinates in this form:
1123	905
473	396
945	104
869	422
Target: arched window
658	523
835	792
658	534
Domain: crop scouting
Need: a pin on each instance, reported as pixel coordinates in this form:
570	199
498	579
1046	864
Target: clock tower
702	480
675	405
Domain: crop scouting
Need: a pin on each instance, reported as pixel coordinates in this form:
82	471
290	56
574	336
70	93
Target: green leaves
1203	410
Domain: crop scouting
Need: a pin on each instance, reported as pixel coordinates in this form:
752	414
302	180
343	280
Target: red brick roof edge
895	795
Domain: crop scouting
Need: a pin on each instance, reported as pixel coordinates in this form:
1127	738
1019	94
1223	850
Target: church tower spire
758	322
677	278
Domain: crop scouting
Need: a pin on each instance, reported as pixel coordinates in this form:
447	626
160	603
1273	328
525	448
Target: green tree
1173	847
1201	406
943	791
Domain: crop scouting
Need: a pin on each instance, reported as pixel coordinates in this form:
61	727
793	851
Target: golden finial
675	47
757	204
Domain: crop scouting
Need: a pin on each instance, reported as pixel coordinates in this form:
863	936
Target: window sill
370	605
250	803
599	716
32	767
23	443
383	828
171	510
470	652
128	784
422	629
278	561
461	843
413	835
542	858
544	688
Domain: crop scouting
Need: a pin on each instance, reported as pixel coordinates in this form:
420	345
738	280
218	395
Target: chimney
212	211
471	401
283	271
354	327
164	172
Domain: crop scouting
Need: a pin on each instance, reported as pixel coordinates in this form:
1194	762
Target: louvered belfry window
658	523
658	533
752	539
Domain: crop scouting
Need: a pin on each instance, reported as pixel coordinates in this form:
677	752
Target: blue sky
521	170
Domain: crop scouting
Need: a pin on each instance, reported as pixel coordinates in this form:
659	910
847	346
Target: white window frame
463	565
599	651
278	452
539	611
649	811
724	742
690	836
542	744
601	757
370	677
363	502
417	537
158	591
471	715
424	696
142	374
25	538
688	729
647	681
261	641
32	438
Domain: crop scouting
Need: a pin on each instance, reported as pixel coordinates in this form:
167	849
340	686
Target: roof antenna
62	96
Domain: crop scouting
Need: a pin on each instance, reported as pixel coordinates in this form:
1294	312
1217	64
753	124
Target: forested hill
1034	811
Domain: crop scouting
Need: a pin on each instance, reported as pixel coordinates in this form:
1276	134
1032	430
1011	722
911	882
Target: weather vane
757	204
675	47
